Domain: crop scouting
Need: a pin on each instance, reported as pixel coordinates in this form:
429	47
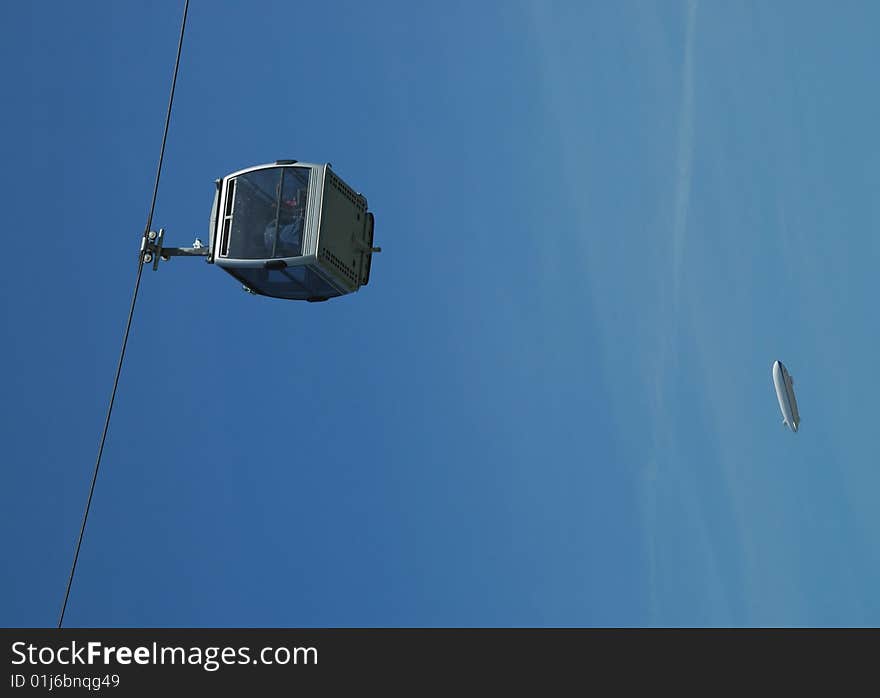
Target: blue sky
552	405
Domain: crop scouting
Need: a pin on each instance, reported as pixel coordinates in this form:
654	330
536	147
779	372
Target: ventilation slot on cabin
343	269
346	191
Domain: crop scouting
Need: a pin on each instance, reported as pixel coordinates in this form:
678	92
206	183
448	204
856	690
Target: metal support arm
184	252
153	250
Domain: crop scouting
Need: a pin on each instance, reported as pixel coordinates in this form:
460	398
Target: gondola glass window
292	231
269	213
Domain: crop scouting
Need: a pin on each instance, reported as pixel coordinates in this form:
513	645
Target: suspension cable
137	284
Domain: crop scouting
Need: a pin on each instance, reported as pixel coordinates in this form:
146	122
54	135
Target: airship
784	385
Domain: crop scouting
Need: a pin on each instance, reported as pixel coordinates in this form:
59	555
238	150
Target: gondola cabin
292	230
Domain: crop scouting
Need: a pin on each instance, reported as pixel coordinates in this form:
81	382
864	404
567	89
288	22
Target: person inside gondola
288	241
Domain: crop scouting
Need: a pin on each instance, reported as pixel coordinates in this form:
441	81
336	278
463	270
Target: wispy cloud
671	504
684	166
663	476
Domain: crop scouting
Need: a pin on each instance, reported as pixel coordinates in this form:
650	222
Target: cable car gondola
291	230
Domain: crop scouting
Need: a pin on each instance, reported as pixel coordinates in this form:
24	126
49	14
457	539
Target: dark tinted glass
268	216
296	283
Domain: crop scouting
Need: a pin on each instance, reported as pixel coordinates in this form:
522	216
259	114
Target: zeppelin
784	385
